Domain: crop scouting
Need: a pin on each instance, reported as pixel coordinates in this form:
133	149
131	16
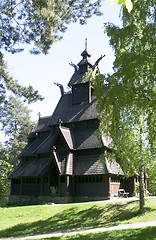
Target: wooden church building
61	160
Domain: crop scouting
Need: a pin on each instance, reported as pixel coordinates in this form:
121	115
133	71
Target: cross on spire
85	43
39	114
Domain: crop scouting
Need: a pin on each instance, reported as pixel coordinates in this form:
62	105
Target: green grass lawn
26	220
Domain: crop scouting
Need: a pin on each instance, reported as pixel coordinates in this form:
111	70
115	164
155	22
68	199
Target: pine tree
16	125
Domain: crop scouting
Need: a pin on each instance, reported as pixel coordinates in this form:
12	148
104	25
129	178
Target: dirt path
56	234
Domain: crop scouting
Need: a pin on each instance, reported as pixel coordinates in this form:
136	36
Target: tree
128	3
16	124
39	23
8	84
151	170
126	98
5	169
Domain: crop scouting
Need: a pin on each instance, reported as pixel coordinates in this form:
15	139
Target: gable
68	136
113	167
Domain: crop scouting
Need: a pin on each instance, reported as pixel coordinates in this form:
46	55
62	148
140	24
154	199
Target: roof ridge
45	117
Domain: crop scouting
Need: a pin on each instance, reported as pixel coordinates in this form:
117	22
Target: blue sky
42	71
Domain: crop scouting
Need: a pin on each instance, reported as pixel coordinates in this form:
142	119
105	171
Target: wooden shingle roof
90	165
85	137
31	168
77	78
29	150
46	145
76	138
68	112
42	124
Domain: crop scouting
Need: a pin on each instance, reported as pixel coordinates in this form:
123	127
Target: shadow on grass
76	218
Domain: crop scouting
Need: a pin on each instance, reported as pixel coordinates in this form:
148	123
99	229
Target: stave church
60	162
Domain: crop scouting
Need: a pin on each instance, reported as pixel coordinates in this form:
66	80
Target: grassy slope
15	221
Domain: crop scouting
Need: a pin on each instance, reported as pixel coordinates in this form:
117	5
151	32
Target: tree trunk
141	185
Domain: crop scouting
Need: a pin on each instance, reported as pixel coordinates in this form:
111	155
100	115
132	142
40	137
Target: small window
75	179
63	179
90	179
38	180
97	179
79	179
33	180
16	181
83	179
94	178
86	179
45	179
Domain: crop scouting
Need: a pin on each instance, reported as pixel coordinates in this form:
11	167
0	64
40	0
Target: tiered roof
78	133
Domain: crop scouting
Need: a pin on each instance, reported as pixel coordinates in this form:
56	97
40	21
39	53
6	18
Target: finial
74	65
61	88
98	60
60	122
32	127
85	43
39	114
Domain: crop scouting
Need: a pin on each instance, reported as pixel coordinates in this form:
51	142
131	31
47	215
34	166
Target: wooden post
109	186
49	184
142	199
141	184
21	186
135	186
41	186
59	186
67	186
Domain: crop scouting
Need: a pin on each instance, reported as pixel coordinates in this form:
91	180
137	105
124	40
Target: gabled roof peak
85	54
82	67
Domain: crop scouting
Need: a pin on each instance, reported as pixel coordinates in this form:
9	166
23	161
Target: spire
86	44
85	54
39	114
81	67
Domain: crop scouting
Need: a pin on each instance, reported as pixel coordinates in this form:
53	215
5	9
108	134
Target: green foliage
26	220
5	169
134	78
16	124
8	84
127	98
151	184
39	23
127	3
